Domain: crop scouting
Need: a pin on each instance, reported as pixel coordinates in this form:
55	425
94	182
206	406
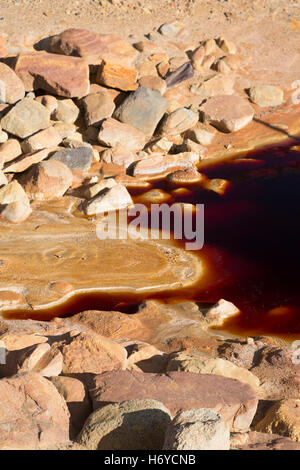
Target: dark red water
251	247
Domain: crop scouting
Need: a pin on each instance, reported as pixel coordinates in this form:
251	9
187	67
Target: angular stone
219	186
9	150
201	363
227	46
130	425
66	111
3	136
12	87
146	357
201	134
65	130
171	29
154	83
33	415
26	118
12	192
184	72
61	75
282	418
119	156
117	134
24	162
235	402
47	180
17	212
93	189
260	441
3	179
97	106
75	158
117	76
161	164
49	101
143	109
178	121
94	47
218	85
197	57
44	139
228	113
189	175
266	95
221	310
198	429
112	199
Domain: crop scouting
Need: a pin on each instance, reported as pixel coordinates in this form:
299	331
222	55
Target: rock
47	180
46	138
266	95
112	199
204	68
180	391
146	357
198	429
17	341
117	134
153	83
130	425
9	150
75	158
261	441
215	86
201	134
26	118
184	72
117	76
178	121
171	29
24	162
148	47
97	107
94	47
3	179
119	156
218	185
197	57
77	399
65	130
17	212
66	111
12	192
162	68
33	415
143	109
57	74
3	136
243	351
227	46
49	101
209	46
12	86
282	418
95	188
188	175
228	113
221	311
161	145
201	363
161	164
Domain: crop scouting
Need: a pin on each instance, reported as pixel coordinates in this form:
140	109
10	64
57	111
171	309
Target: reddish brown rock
47	180
24	162
235	402
61	75
154	83
228	113
117	76
94	47
117	134
97	106
33	415
161	164
11	87
178	121
262	441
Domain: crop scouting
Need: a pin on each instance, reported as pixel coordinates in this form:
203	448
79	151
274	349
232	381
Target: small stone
163	68
26	118
117	76
46	138
93	189
228	113
119	156
218	85
197	57
132	424
3	136
221	311
282	418
57	74
210	46
162	145
3	179
97	106
218	185
49	101
47	180
117	134
12	192
112	199
198	429
76	159
207	62
143	110
10	150
171	29
201	134
147	46
227	46
178	121
164	164
266	95
12	88
66	111
184	72
24	162
188	175
65	130
154	83
17	212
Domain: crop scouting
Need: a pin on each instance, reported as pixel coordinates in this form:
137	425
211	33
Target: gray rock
26	118
198	429
130	425
184	72
143	110
75	158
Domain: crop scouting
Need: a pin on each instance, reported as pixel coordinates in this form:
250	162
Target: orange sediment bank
251	252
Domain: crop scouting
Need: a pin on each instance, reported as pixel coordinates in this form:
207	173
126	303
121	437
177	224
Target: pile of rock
149	109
